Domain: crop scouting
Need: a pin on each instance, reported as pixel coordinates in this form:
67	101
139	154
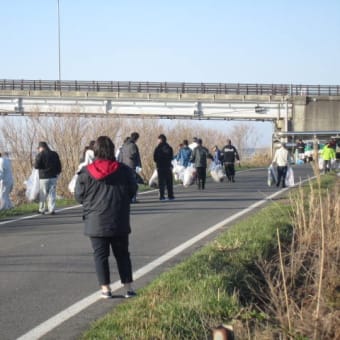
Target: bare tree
244	136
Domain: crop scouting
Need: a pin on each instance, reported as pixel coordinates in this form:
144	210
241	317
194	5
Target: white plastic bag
72	184
32	186
333	164
153	181
216	172
271	177
189	176
289	177
178	171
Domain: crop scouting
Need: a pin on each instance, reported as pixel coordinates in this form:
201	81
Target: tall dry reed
303	281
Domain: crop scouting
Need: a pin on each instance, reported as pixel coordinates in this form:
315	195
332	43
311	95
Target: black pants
281	175
230	170
120	250
165	179
201	177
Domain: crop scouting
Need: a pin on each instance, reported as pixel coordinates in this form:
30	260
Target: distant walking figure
163	155
49	166
6	182
129	155
281	160
229	155
199	158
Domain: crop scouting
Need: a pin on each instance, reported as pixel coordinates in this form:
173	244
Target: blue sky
228	41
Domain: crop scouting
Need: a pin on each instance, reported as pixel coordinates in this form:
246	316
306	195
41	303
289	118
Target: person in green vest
328	154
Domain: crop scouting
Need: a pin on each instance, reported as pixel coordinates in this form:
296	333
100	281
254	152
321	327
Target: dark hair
185	142
91	145
43	145
134	136
104	148
199	141
162	138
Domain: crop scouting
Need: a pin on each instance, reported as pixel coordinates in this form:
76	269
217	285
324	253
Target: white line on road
79	306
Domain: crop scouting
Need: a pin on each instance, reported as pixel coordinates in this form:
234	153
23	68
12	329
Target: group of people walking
198	155
106	185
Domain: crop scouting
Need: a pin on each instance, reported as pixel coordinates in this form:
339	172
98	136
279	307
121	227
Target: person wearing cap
49	166
163	156
281	160
229	155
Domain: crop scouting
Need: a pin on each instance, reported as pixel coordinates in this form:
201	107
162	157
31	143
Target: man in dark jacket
129	155
49	166
199	158
229	155
163	156
105	188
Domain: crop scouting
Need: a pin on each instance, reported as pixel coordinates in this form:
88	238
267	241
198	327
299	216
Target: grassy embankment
32	208
240	279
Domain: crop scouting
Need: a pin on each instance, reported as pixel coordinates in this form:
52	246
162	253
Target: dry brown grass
69	135
303	280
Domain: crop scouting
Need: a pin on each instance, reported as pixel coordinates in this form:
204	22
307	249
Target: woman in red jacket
105	188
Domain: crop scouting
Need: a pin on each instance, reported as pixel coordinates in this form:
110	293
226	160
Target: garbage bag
32	186
153	181
216	172
189	176
72	184
289	177
272	177
178	171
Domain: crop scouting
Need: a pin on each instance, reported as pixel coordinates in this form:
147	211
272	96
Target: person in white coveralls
6	182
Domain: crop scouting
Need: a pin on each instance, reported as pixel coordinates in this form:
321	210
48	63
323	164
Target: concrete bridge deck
291	107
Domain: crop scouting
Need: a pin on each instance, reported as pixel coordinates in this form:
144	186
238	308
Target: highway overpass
291	107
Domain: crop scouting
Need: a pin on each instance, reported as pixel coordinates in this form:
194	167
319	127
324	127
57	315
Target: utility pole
59	55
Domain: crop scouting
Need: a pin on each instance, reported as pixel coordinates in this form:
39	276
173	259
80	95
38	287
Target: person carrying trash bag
129	155
49	166
281	160
229	155
6	182
199	158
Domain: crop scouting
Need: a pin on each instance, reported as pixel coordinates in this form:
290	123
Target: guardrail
170	87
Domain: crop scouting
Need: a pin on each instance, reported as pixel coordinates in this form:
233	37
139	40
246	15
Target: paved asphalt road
46	263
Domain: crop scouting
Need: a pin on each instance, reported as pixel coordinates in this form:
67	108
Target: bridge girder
151	105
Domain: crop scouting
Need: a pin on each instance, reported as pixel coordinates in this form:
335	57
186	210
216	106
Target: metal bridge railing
170	87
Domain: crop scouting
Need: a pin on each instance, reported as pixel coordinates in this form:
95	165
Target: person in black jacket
129	155
105	188
49	166
163	155
229	155
199	157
